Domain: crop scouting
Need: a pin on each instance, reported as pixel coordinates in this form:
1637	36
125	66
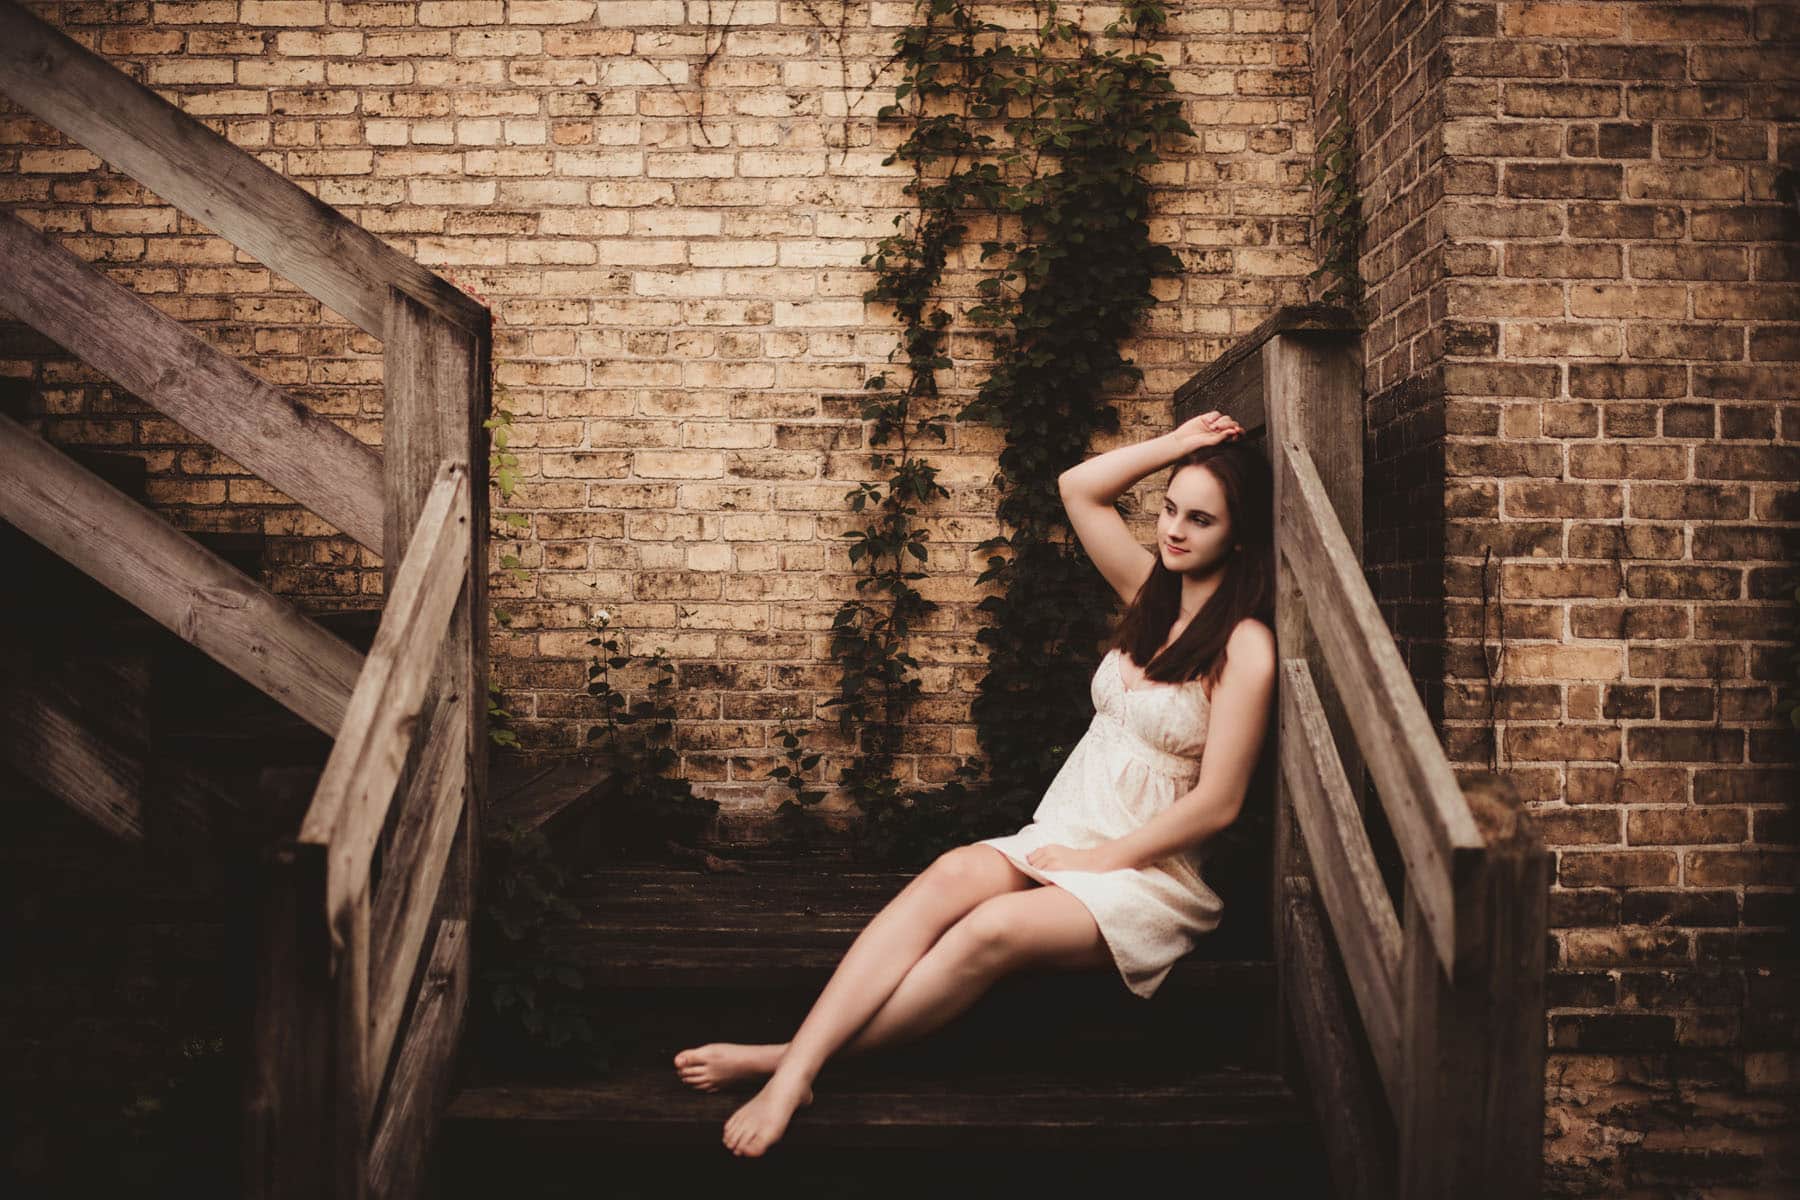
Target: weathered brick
1562	743
1709	868
1678	744
1561	100
1627	221
1684	826
1564	180
1613	868
1626	541
1532	499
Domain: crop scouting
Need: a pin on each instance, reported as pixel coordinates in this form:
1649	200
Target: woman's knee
985	937
976	870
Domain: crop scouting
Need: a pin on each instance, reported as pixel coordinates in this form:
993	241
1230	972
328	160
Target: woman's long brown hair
1247	588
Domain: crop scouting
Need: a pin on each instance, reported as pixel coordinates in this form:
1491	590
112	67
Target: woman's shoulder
1251	644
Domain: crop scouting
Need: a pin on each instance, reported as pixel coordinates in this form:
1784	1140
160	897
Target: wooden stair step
1017	1111
1202	1018
614	959
769	903
535	796
672	957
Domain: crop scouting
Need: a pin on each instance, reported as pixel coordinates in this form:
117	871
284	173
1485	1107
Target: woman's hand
1066	858
1207	429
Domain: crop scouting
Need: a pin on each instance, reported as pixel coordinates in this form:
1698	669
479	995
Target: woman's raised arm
1089	488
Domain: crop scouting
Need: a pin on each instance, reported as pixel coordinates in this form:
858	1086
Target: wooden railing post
1312	396
437	376
1472	1108
437	394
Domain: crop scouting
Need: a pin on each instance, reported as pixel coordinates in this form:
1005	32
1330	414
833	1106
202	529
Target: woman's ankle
791	1074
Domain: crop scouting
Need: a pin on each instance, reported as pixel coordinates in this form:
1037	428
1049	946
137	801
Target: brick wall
1581	314
666	204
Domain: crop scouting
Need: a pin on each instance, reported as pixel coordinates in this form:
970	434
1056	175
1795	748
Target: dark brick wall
1581	353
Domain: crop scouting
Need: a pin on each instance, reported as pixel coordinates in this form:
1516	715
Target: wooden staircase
132	916
148	737
1048	1073
361	905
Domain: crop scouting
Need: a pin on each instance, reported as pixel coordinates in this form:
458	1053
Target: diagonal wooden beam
351	802
208	392
182	585
407	1133
1350	888
405	904
1424	802
61	82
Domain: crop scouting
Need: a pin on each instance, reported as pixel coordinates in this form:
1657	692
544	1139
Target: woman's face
1193	534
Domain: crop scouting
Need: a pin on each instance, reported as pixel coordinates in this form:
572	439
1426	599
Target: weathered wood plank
185	587
1358	1139
420	1090
1313	386
1472	1113
438	383
1425	806
47	741
1232	382
1016	1110
1311	393
289	1092
537	799
209	393
409	887
351	803
1348	880
223	187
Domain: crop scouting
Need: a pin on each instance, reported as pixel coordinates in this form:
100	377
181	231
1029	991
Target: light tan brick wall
666	204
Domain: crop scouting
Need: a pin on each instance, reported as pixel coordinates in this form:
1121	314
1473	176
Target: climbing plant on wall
1339	205
878	681
1054	136
1071	289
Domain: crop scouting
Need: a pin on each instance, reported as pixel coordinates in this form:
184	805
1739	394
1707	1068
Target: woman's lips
1175	549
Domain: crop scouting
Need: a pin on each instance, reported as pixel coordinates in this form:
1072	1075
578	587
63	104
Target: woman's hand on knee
1066	858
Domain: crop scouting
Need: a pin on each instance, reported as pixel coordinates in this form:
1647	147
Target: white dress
1140	754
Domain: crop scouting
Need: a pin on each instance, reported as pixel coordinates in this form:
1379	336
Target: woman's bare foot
721	1064
760	1122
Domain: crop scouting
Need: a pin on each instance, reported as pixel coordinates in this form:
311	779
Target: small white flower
600	616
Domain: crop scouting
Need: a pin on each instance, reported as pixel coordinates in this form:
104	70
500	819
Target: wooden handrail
1428	1076
1423	801
350	805
62	83
1356	900
401	920
312	1122
208	392
179	583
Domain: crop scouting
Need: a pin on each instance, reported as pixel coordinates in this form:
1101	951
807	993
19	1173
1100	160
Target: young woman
1120	830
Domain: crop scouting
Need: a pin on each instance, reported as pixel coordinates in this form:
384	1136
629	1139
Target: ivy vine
1081	130
1340	227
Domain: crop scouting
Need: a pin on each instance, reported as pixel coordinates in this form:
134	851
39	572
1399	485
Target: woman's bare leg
886	949
1043	927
